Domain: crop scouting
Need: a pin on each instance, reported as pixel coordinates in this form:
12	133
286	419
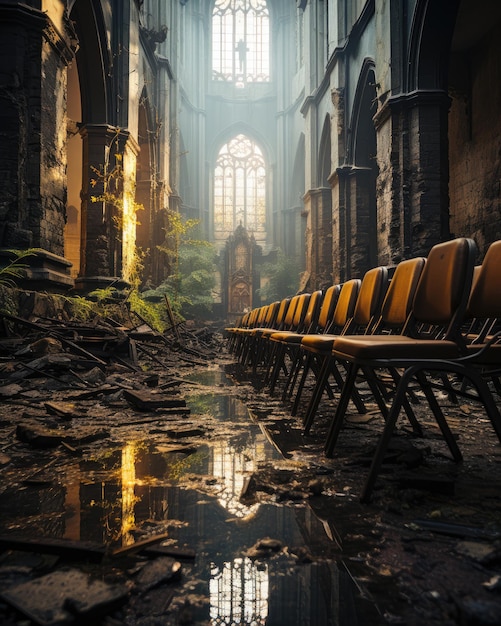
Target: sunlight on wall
129	218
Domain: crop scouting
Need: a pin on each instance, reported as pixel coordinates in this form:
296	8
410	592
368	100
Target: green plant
192	279
116	185
281	278
15	268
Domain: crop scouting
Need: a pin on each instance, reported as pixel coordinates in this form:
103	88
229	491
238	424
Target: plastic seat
289	341
341	321
293	340
432	333
365	315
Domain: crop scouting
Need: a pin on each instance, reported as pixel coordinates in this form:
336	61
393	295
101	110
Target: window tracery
240	41
239	188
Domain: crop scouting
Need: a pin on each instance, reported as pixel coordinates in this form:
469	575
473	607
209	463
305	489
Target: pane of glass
240	189
240	41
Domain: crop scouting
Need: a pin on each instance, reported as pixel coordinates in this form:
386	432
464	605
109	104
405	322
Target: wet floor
268	562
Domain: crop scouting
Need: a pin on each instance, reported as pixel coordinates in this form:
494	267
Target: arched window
241	41
239	189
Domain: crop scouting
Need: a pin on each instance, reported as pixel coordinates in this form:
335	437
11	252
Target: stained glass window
240	189
240	41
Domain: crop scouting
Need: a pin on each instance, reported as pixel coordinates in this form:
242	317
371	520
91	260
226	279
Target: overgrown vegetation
191	283
282	278
15	268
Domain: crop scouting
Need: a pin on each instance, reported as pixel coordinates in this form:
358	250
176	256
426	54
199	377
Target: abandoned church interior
249	167
337	134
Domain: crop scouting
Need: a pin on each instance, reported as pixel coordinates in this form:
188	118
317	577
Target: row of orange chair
434	316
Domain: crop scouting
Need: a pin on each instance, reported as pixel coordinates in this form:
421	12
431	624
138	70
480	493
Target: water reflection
239	593
192	492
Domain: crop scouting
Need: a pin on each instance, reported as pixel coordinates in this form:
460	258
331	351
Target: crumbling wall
475	143
53	131
33	128
20	57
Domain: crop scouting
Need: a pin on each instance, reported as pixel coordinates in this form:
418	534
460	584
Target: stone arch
93	60
362	151
418	175
430	41
294	223
145	173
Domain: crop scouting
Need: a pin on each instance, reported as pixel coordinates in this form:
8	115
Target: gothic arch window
240	189
241	41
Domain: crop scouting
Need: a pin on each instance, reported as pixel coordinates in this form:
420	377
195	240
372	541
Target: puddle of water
209	377
192	492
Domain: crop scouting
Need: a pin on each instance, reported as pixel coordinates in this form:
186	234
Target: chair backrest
252	319
300	311
444	287
262	312
343	313
327	309
370	297
485	297
271	314
397	303
282	312
310	320
291	311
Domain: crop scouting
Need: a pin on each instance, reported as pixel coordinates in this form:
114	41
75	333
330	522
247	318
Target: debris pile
65	387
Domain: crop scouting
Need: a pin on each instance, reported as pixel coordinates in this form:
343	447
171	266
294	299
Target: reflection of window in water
231	467
233	462
239	593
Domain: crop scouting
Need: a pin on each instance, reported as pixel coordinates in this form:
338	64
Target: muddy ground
425	551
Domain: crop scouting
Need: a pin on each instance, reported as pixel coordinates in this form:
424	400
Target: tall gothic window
241	41
240	189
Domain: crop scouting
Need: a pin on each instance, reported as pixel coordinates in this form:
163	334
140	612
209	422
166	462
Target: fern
16	269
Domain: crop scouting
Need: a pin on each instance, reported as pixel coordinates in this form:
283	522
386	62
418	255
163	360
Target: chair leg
277	367
337	422
318	391
411	416
384	440
295	368
306	368
439	416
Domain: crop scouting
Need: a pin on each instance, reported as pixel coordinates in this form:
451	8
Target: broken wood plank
154	573
457	530
37	437
64	548
144	401
138	546
177	553
65	410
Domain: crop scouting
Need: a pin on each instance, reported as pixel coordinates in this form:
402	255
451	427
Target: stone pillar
412	186
108	197
35	54
318	204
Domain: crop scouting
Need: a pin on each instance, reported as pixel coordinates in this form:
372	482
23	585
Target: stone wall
33	126
475	140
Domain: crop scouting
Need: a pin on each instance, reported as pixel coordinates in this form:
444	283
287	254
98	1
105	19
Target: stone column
35	54
412	186
109	157
318	203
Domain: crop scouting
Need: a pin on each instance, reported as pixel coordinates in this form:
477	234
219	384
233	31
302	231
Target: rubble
426	551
